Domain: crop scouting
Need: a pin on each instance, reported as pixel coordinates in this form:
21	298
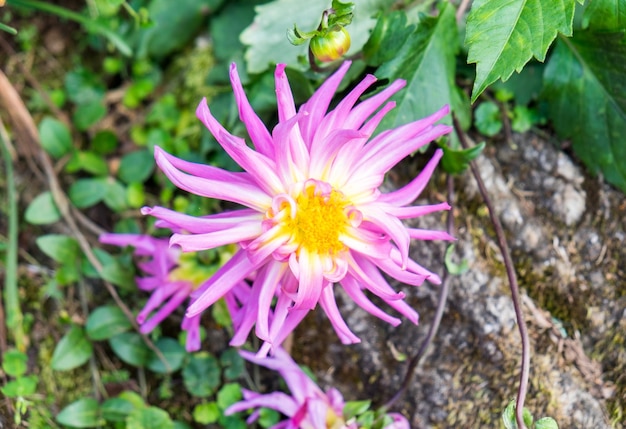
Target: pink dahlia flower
308	407
313	215
169	275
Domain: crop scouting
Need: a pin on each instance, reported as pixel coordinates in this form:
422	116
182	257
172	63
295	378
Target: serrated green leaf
130	347
62	248
87	192
585	90
55	137
201	375
14	363
427	63
605	15
105	322
503	35
72	351
42	210
149	418
84	413
266	38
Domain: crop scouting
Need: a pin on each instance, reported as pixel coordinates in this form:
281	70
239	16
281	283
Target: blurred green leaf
388	36
23	386
427	63
42	210
201	375
104	142
523	118
84	413
585	89
72	351
173	353
503	35
453	267
605	15
105	322
228	395
266	38
55	137
88	161
14	363
62	248
87	192
546	423
487	118
115	196
83	86
233	365
88	113
130	347
355	408
136	166
149	418
206	413
116	409
268	417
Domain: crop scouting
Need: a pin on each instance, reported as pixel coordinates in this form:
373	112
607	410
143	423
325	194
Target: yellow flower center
319	220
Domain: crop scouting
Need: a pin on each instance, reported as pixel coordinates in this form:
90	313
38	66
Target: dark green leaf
72	351
201	375
605	15
173	353
487	118
105	322
266	38
61	248
503	35
14	363
113	270
130	347
87	114
233	365
23	386
55	137
149	418
104	142
136	166
115	196
206	413
585	89
232	20
87	192
83	86
390	33
42	210
427	63
116	409
84	413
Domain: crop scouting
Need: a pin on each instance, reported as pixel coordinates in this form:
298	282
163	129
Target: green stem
90	24
14	316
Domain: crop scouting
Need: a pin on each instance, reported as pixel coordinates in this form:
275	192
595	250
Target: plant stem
510	272
14	316
444	289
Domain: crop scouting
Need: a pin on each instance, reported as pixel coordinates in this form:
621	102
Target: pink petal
416	211
353	289
284	97
428	234
204	224
210	240
268	280
311	280
328	303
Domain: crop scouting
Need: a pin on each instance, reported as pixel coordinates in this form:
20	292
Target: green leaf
232	363
388	36
173	353
90	162
487	118
605	15
229	394
355	408
206	413
23	386
84	413
55	137
149	418
115	196
72	351
266	38
42	210
508	416
586	96
104	142
457	161
546	423
427	63
62	248
503	35
268	417
136	166
87	114
116	409
105	322
87	192
201	375
130	347
452	267
83	86
233	19
14	363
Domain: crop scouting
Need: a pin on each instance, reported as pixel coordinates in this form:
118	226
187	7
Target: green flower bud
332	46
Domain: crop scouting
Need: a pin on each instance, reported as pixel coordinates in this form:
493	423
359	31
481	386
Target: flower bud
332	46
